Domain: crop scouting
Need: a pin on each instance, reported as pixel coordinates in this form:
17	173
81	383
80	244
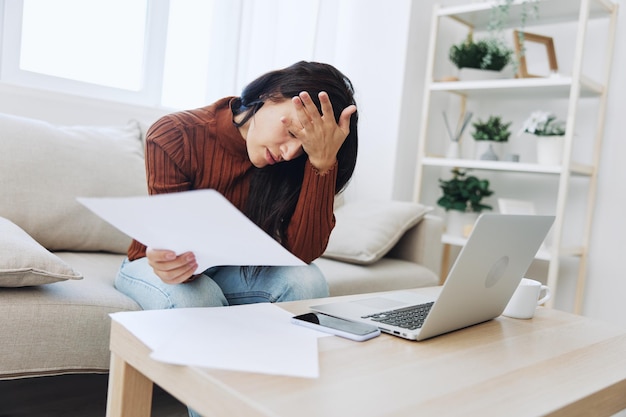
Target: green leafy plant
493	129
464	193
489	54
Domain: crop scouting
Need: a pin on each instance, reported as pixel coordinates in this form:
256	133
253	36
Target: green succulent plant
493	129
464	193
489	54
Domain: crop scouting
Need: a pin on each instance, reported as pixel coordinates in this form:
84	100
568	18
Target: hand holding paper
199	221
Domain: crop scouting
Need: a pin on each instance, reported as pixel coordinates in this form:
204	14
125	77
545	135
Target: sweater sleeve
166	167
313	218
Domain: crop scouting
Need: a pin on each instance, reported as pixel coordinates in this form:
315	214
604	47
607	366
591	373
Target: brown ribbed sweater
201	148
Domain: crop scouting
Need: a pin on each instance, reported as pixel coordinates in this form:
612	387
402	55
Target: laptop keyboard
410	318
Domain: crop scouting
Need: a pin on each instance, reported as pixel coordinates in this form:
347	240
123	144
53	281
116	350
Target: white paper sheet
254	337
200	221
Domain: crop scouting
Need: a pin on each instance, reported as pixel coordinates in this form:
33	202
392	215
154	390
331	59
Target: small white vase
454	150
460	223
550	150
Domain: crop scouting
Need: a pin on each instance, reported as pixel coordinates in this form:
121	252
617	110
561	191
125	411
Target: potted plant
488	132
462	199
549	132
490	55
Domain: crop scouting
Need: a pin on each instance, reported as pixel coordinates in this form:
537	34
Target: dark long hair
274	189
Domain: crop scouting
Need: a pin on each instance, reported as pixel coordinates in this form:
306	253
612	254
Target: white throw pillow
366	230
24	262
43	168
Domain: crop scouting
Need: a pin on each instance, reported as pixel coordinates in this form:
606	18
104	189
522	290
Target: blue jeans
220	286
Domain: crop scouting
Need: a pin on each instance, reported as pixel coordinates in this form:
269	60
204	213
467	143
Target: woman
279	153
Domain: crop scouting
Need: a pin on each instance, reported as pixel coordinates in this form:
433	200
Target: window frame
149	94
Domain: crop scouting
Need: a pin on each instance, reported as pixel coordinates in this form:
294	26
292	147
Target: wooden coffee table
556	364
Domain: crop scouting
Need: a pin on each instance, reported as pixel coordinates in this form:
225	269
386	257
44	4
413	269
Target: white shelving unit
571	88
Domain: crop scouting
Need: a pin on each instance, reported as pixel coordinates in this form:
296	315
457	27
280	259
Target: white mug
525	299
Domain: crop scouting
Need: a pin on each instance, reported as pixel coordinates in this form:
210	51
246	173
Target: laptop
479	285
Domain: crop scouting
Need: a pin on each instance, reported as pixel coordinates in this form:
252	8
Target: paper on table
253	337
200	221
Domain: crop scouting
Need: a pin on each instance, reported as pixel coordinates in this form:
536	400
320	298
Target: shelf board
519	88
543	253
453	240
477	15
578	169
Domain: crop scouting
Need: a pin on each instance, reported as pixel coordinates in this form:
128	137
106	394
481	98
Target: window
136	51
170	53
185	68
104	46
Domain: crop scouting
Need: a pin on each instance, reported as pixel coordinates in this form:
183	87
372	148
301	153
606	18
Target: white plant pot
550	150
488	150
459	223
475	74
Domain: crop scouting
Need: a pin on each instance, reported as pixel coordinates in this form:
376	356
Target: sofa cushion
64	327
385	275
366	230
24	262
43	168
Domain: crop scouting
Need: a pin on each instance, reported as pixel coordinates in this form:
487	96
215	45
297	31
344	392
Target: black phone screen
336	323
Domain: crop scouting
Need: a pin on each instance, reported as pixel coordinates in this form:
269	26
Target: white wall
68	109
606	286
381	45
371	44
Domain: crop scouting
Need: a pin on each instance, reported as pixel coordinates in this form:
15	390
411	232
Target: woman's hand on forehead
321	135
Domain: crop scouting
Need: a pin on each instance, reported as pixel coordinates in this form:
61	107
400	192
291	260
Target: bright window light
187	53
99	42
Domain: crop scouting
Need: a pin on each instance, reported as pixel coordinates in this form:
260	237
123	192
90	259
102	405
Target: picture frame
535	55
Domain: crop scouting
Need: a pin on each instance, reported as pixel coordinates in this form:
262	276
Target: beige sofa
58	260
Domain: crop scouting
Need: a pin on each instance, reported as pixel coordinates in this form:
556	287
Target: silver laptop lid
487	271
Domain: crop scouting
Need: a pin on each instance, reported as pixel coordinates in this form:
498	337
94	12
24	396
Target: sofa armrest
422	244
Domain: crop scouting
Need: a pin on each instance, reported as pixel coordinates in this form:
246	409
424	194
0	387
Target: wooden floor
71	396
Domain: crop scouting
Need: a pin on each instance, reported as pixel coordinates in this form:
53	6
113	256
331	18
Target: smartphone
339	327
